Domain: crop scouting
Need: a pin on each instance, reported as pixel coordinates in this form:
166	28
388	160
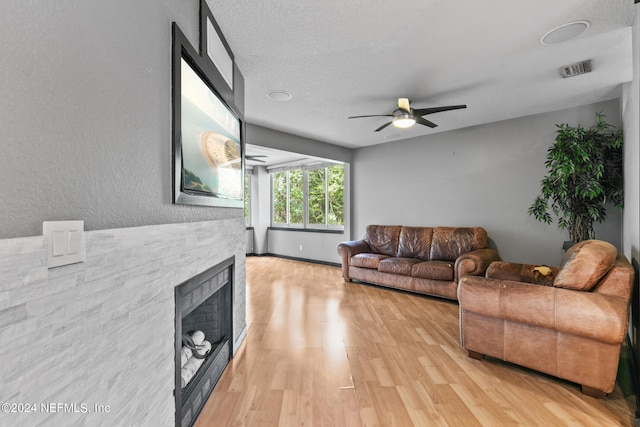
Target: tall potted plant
584	172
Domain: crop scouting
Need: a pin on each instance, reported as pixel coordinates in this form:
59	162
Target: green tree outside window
317	196
280	198
335	186
296	197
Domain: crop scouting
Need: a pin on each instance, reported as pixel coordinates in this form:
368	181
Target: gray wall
266	137
85	128
484	175
631	117
306	245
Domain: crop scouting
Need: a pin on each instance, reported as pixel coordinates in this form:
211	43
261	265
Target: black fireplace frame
211	370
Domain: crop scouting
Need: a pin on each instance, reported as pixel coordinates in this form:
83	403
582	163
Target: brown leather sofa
425	260
569	322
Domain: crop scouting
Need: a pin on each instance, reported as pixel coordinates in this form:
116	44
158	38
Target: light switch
59	242
73	242
66	242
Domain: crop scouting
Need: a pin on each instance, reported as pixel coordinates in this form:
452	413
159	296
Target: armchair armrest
600	317
346	250
528	273
474	263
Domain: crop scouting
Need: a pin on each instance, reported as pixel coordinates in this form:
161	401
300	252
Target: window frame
305	225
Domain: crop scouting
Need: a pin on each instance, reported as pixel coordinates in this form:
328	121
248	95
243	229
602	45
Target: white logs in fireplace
202	344
195	348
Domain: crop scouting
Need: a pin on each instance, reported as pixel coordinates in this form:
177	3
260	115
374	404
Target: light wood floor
321	352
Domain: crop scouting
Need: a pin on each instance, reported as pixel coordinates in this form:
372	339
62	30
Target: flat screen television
207	139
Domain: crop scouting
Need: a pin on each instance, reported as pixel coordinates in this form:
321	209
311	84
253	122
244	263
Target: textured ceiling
345	58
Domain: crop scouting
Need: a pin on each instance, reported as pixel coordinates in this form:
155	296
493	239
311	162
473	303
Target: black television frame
211	77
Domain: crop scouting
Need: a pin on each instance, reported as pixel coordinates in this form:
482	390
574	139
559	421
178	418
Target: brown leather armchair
568	321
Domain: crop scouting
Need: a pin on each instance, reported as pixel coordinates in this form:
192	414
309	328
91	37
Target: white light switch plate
66	242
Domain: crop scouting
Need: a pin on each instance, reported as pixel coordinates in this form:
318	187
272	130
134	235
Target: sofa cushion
367	260
436	270
415	242
528	273
449	243
584	264
383	239
397	265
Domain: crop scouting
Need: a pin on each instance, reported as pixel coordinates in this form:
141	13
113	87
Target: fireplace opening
203	332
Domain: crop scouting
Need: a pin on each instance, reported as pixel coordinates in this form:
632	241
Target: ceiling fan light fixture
404	121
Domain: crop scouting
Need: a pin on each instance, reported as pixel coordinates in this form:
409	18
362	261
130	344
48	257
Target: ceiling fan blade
373	115
403	104
425	122
383	126
425	111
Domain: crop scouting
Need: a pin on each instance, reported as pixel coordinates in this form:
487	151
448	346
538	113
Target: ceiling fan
254	158
405	116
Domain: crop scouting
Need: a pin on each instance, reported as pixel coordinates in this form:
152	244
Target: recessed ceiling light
279	95
565	32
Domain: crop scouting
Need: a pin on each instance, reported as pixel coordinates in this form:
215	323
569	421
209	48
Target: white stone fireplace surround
92	344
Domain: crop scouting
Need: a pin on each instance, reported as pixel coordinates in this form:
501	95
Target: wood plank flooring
322	352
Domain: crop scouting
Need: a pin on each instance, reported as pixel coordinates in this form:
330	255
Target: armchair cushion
584	264
527	273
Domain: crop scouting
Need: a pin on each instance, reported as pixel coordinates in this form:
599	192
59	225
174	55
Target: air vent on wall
576	69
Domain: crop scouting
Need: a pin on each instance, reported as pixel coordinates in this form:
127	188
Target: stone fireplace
102	332
204	303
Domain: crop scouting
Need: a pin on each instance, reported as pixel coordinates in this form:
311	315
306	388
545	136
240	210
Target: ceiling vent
576	69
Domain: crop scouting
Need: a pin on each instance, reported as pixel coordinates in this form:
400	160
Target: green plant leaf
584	171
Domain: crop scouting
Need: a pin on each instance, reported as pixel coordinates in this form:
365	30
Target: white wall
479	176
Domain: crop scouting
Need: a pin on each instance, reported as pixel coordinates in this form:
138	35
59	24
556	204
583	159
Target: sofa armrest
528	273
599	317
474	263
346	250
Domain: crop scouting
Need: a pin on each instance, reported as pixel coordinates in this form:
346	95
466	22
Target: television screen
211	149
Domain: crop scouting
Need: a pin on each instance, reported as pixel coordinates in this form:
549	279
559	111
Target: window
335	192
317	196
296	197
311	197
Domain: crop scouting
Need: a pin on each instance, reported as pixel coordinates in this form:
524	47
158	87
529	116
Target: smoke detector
576	69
